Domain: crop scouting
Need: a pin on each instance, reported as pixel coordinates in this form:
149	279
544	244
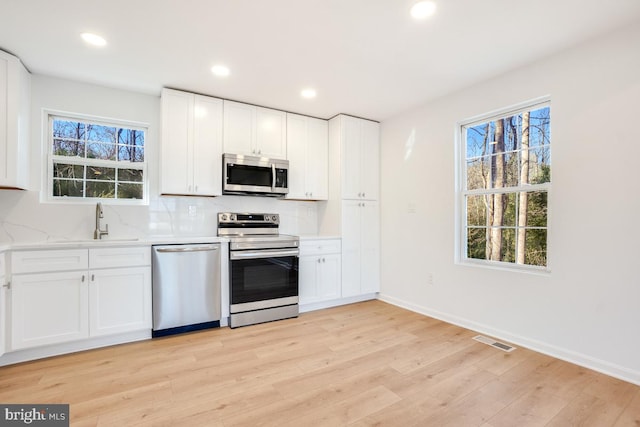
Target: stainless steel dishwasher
186	288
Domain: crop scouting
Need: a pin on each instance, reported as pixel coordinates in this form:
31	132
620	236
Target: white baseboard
28	354
336	302
598	365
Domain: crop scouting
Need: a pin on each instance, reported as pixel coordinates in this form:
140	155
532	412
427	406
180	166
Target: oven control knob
224	217
274	218
232	217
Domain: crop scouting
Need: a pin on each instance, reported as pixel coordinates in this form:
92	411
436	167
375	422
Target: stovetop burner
254	231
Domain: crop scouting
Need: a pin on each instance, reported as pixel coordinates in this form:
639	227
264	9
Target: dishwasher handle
182	249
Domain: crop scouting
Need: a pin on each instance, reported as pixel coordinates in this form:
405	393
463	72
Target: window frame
48	179
461	191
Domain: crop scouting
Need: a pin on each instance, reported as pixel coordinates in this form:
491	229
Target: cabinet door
297	156
351	157
3	312
351	210
271	133
48	308
15	96
239	128
370	166
308	279
176	176
119	300
329	281
370	247
317	164
207	146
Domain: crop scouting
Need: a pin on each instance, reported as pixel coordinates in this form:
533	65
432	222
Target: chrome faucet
98	233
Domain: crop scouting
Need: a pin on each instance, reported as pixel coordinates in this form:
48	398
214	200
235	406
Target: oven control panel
248	218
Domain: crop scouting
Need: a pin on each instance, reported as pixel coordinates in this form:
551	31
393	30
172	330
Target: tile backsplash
24	219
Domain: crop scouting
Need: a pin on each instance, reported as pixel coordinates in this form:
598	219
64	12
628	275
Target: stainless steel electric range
263	268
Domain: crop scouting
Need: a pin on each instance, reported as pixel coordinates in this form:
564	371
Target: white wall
587	309
23	218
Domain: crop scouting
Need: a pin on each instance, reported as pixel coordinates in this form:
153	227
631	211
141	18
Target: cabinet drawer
119	257
49	260
317	247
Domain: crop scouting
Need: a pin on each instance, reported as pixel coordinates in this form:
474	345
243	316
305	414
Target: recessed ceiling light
308	93
220	70
93	39
423	9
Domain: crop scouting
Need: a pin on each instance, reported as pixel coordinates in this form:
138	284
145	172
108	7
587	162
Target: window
96	160
506	179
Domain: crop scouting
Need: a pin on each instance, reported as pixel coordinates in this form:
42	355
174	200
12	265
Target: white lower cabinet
48	308
52	307
4	285
119	300
320	270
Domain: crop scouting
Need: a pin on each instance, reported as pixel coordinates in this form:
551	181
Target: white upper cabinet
360	158
15	95
254	131
307	152
191	149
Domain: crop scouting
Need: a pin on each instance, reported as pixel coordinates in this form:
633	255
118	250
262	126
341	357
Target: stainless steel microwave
257	176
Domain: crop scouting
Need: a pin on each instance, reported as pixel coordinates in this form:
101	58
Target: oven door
263	278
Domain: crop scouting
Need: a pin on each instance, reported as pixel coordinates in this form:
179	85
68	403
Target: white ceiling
365	57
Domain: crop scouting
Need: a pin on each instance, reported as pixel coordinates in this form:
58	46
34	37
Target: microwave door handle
273	177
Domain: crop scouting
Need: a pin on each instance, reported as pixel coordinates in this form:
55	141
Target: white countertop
120	242
113	242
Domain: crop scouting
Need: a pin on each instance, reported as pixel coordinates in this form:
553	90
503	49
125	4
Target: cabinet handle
364	195
83	278
7	285
319	260
93	277
196	188
324	260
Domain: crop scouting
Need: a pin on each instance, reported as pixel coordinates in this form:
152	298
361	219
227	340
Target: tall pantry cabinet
353	210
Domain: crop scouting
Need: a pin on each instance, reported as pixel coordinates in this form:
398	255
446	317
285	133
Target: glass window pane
101	173
101	151
539	127
478	138
509	201
477	210
129	191
479	173
131	137
512	172
67	188
68	129
62	170
134	175
66	147
130	153
476	243
501	245
540	165
101	133
536	209
102	189
536	247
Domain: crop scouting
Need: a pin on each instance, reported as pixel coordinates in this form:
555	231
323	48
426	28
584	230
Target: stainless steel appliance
186	288
258	176
263	268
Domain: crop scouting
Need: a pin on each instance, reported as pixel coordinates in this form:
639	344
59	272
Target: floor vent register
494	343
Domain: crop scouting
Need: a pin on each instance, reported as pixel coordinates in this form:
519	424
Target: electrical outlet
430	278
193	210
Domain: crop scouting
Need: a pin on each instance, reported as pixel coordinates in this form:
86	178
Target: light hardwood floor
358	365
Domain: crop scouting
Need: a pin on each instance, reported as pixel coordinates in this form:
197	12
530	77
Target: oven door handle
263	253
